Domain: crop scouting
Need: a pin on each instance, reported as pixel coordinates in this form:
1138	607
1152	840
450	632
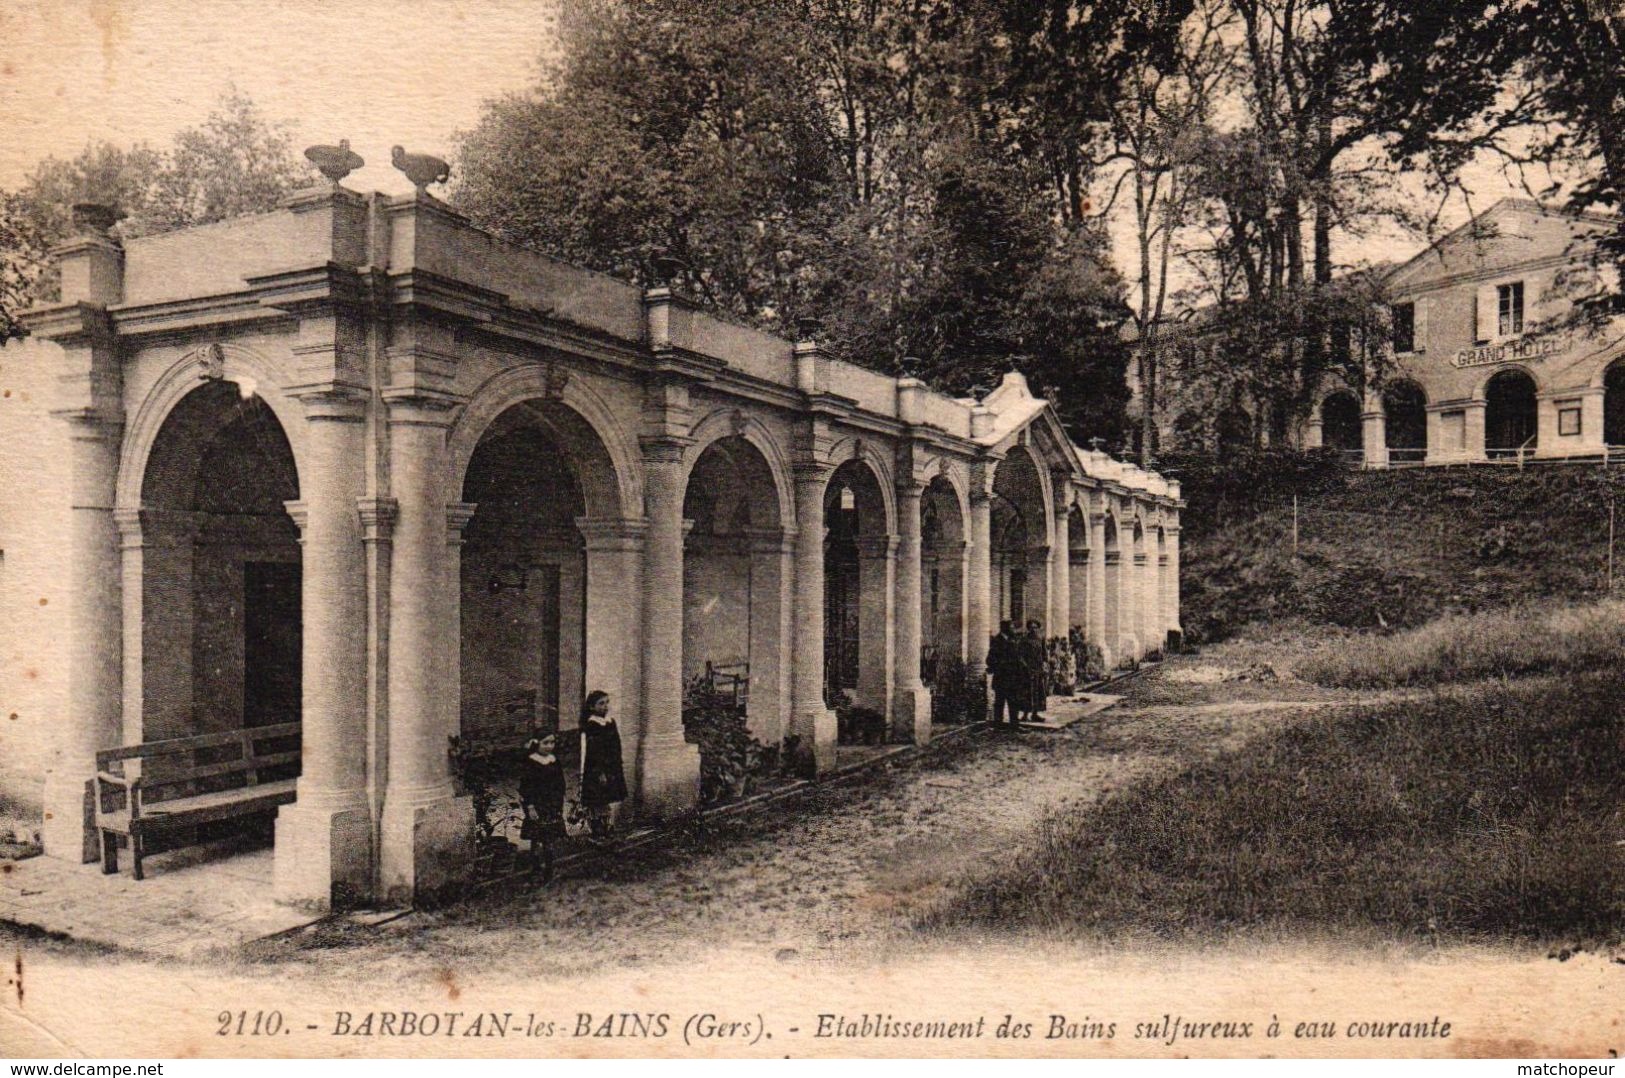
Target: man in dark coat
1034	660
1003	665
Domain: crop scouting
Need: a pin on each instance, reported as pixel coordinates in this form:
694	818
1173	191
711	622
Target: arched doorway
1509	414
1020	531
221	602
735	579
942	581
1235	431
528	590
1340	425
1613	404
1405	422
857	593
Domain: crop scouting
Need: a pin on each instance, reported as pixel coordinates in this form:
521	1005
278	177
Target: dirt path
838	874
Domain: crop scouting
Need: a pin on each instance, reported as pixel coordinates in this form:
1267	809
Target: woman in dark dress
603	783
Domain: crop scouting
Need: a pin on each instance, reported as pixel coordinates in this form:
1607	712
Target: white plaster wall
33	573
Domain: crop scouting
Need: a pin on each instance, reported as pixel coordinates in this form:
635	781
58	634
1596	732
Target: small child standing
541	794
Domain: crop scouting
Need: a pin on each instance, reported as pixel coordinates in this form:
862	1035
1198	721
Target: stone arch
1340	422
1404	406
1612	378
224	361
732	423
736	573
944	529
217	577
864	451
1022	531
859	549
578	418
1511	411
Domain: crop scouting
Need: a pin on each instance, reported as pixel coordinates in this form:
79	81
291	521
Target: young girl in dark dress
603	783
541	795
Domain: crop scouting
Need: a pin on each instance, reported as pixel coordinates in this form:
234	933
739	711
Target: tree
854	161
236	162
1157	121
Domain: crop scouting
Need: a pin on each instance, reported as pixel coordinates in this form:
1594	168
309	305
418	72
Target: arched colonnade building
359	463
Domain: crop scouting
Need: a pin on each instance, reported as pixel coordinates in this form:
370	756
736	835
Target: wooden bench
166	787
730	678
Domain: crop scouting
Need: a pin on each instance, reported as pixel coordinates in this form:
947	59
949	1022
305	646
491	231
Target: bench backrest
181	765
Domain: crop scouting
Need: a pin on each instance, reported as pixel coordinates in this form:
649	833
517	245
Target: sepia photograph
812	528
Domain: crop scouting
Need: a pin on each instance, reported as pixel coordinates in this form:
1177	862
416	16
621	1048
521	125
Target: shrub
957	694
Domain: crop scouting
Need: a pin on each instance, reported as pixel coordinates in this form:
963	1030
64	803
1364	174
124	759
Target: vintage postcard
811	528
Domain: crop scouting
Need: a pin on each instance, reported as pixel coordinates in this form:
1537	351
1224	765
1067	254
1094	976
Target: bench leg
109	853
136	852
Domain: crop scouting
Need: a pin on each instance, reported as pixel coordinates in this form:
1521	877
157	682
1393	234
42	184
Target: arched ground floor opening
1341	427
1510	414
1405	422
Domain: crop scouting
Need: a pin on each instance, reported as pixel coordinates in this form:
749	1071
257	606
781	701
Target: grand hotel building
1492	356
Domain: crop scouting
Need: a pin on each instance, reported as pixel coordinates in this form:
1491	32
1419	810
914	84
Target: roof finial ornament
334	162
421	168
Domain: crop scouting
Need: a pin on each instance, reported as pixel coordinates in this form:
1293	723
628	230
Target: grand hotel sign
1523	350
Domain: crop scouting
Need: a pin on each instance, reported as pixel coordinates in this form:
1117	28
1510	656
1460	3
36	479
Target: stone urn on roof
421	168
334	162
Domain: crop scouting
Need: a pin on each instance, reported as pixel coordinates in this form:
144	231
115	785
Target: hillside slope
1397	548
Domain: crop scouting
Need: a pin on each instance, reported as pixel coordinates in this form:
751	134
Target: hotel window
1404	317
1509	303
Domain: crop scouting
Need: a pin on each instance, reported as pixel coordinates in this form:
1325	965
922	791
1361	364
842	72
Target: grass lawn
1500	643
1493	815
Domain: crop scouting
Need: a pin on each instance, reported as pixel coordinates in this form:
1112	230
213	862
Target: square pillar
1060	569
426	835
1374	432
812	720
1100	627
669	767
911	706
772	571
614	644
324	839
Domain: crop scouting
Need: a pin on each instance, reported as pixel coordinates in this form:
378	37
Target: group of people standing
542	784
1019	666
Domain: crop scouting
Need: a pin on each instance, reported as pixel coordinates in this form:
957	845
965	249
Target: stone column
1037	596
614	644
1171	611
814	723
426	834
911	700
1148	612
1060	616
979	581
458	514
1078	599
669	766
324	839
877	559
1374	432
377	525
94	629
1474	424
1131	570
1096	630
771	571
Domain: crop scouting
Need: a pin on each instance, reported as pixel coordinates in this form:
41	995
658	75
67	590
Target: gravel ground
839	874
